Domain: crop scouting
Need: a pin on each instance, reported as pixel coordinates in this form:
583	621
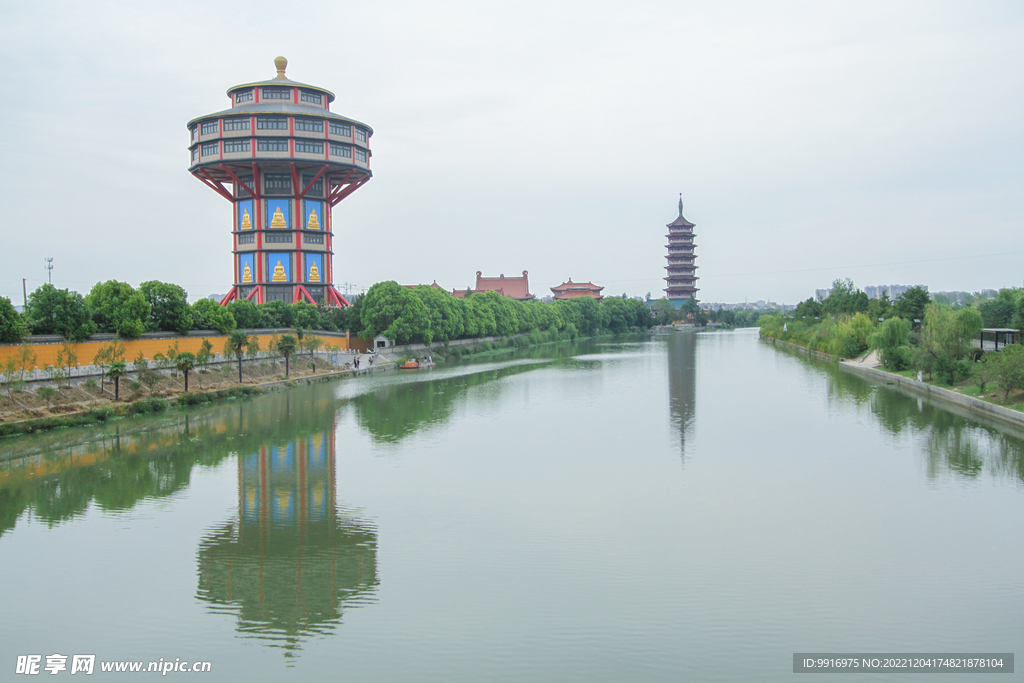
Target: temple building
681	274
284	160
571	290
514	287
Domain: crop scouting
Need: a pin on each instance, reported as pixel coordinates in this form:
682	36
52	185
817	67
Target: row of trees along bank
910	333
420	314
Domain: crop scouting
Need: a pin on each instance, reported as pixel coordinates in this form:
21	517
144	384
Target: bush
952	371
897	357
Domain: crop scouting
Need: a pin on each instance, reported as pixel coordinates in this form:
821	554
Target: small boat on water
416	363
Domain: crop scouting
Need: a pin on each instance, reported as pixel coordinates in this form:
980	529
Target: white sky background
810	140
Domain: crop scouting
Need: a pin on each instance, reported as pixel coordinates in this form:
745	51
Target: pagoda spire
680	204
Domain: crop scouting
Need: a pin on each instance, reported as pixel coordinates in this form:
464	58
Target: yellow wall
46	354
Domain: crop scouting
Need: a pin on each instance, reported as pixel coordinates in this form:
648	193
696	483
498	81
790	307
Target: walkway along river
688	507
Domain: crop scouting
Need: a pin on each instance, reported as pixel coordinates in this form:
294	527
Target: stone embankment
975	407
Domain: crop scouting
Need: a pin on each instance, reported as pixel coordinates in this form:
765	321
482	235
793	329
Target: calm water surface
692	507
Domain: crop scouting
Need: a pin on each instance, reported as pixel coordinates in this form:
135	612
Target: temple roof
565	286
680	222
515	287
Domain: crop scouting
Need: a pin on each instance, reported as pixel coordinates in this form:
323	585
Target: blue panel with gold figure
279	213
314	268
313	215
244	216
279	265
246	269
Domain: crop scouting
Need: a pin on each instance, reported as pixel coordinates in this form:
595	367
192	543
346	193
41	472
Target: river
686	507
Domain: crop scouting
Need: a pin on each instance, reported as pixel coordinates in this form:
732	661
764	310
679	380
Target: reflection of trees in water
150	458
290	562
953	443
396	411
682	382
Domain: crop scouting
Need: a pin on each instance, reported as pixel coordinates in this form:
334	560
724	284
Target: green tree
168	307
12	325
67	358
246	314
305	315
310	345
286	346
116	371
892	340
997	312
447	317
844	298
911	304
1009	369
664	311
118	307
209	315
276	315
184	363
235	346
12	380
880	308
108	354
808	309
396	312
59	311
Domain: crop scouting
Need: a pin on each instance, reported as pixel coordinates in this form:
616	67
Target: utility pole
24	291
49	270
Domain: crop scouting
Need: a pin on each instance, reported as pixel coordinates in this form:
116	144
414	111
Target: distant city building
571	290
681	271
513	287
284	160
893	291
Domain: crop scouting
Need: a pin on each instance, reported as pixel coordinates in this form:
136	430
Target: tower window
209	127
271	145
339	129
277	182
309	147
236	124
267	123
341	151
361	155
312	97
318	187
360	135
310	125
312	239
243	96
278	237
247	238
277	93
211	149
236	146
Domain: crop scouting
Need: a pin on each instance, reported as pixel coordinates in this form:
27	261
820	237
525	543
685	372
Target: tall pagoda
682	273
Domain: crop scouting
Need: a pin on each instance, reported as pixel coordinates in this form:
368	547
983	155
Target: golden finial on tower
247	274
281	63
313	223
246	223
314	273
278	221
279	274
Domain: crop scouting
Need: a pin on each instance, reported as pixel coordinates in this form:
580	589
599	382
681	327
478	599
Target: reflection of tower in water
682	382
291	561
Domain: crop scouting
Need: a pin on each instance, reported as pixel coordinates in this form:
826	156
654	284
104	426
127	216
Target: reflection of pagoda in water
291	562
682	381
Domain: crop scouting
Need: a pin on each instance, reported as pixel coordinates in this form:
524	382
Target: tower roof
283	81
680	222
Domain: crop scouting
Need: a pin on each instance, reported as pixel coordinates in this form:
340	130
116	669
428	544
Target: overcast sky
881	141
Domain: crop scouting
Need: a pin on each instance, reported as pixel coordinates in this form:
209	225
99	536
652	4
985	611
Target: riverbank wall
974	406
